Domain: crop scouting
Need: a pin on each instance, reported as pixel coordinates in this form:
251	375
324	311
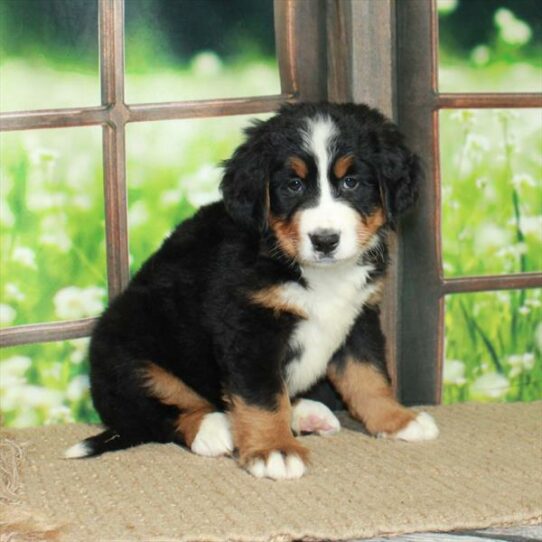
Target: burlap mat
485	469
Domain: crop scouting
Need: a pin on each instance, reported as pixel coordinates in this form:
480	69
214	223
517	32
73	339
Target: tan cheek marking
369	397
271	298
369	225
287	233
342	165
172	391
257	432
299	166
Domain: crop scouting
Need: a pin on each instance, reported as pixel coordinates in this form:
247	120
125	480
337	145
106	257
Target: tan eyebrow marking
342	164
299	166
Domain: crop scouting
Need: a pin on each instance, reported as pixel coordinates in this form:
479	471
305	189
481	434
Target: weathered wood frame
382	52
114	114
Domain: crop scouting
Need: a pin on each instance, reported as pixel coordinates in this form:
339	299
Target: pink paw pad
313	417
314	424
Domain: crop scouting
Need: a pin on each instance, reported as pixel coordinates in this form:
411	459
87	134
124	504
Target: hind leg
198	425
213	437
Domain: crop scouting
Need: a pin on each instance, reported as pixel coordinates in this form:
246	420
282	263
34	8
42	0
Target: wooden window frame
384	53
299	70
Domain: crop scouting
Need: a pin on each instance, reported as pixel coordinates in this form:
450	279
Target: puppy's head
323	179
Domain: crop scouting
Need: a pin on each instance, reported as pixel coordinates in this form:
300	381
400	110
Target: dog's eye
350	183
295	185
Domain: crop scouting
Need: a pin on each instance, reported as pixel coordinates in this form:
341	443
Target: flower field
52	247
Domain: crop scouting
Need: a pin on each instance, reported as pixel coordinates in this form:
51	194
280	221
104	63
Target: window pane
173	168
52	248
197	49
48	54
493	346
45	383
491	191
490	45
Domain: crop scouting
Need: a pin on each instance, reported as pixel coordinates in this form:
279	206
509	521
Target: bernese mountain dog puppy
255	299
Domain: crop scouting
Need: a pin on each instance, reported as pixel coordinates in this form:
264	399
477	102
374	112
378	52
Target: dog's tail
107	441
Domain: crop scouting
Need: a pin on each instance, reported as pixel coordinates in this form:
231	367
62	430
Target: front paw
313	417
285	463
422	427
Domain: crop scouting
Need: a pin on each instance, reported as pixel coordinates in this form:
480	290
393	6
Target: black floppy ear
400	174
245	186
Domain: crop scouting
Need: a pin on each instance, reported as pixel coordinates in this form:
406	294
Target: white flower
36	396
531	225
207	64
13	292
524	310
7	218
82	201
170	198
77	388
53	371
12	371
26	418
138	214
42	200
72	302
80	349
538	337
523	179
7	314
514	251
476	145
513	30
480	55
490	236
535	303
43	156
201	188
481	182
489	386
520	363
59	414
446	6
25	256
54	229
464	117
454	372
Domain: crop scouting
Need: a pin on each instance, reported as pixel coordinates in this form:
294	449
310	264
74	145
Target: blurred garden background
52	247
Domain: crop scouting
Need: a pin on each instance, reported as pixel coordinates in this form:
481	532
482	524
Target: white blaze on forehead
319	139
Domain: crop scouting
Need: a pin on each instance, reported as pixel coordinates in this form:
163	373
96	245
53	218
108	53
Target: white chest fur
333	299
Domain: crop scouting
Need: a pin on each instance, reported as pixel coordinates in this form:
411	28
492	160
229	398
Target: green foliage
52	261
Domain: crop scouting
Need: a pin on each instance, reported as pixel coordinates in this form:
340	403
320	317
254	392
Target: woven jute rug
485	469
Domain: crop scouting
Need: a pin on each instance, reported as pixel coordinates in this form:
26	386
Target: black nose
325	241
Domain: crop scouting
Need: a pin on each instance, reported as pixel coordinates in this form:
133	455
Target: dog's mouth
327	260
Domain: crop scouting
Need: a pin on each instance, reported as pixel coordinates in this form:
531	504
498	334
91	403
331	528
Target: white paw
314	417
214	436
423	427
277	467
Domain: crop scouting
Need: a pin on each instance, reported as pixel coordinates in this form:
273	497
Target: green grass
52	262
